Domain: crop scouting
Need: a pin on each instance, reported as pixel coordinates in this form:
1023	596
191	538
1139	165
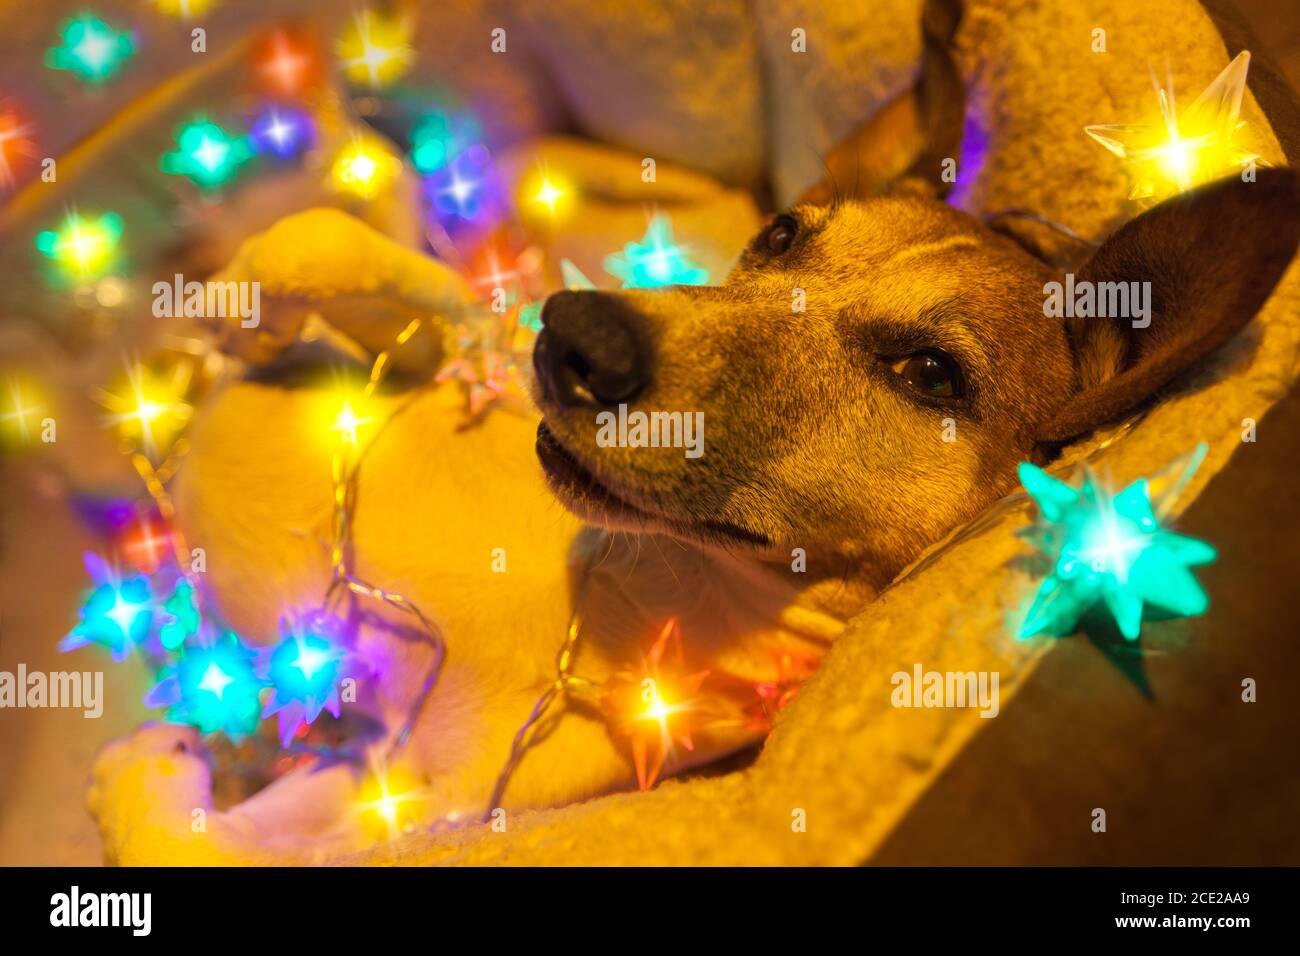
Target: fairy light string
344	581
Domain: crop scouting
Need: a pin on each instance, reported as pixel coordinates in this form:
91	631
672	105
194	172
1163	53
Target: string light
83	247
14	143
376	49
20	412
655	261
287	62
1108	549
440	137
148	544
547	192
90	48
303	671
117	614
463	188
207	154
185	620
212	687
364	167
151	410
1184	151
185	9
653	707
282	131
388	800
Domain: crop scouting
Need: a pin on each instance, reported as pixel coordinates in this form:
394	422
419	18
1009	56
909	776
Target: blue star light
118	614
282	131
304	670
1107	548
655	261
464	188
212	688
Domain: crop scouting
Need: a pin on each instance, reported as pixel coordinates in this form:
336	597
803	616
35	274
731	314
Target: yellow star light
376	49
183	8
364	167
1184	151
151	410
347	423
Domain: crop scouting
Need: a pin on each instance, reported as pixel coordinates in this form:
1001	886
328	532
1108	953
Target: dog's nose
588	352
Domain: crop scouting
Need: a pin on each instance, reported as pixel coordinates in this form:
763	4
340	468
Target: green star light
1109	548
90	48
207	154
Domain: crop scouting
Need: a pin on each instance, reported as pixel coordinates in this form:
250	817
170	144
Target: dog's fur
814	441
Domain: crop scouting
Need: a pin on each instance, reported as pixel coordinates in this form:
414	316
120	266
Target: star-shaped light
655	707
439	138
150	410
348	423
148	544
391	801
83	247
15	142
213	687
465	187
184	9
286	61
1108	548
1183	151
19	410
90	48
282	131
182	607
304	671
118	614
655	261
207	154
376	49
364	167
215	680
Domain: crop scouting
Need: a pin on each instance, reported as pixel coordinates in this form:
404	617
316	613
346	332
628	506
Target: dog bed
845	761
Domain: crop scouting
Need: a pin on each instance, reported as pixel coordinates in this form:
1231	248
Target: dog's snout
589	352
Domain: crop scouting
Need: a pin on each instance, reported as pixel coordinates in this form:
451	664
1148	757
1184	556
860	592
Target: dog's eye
777	237
933	374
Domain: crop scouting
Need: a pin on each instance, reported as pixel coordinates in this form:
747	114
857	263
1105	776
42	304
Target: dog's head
872	370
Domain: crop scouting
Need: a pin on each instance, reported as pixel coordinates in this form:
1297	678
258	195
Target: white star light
215	680
210	154
95	49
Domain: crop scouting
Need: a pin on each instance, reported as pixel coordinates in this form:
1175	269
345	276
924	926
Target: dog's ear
1212	257
904	145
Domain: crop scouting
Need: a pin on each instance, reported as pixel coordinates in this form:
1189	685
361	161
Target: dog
851	433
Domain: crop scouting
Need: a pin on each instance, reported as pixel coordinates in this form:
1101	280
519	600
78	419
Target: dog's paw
150	792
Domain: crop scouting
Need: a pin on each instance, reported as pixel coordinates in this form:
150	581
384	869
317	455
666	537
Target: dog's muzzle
589	351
